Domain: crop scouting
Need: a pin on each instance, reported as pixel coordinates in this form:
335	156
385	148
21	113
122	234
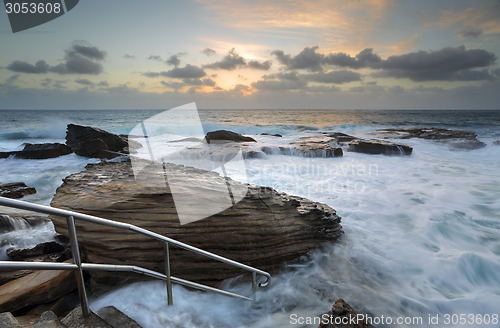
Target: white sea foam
421	233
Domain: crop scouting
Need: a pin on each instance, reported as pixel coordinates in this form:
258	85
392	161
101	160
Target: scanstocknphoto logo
24	14
176	138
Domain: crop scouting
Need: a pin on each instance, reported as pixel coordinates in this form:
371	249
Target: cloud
187	72
281	81
127	56
366	58
230	62
155	57
334	77
264	66
23	67
80	58
308	59
173	60
209	52
471	33
208	82
103	84
451	64
84	49
84	82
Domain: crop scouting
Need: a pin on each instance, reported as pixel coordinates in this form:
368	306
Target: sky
234	54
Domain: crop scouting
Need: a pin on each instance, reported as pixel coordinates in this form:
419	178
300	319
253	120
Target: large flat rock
264	229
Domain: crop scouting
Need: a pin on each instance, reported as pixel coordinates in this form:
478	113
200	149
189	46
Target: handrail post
168	274
78	261
254	282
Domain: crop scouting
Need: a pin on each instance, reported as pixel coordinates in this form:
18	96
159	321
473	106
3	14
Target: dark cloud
23	67
84	49
209	82
155	57
334	77
77	64
79	59
84	82
276	82
307	59
186	72
196	82
264	66
230	62
173	60
446	64
209	52
103	84
471	33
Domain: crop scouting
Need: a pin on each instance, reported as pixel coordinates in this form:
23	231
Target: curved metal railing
78	266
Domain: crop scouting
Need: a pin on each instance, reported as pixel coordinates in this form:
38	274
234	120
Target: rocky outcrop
457	139
343	316
75	319
264	229
15	190
427	133
93	142
46	248
39	151
36	288
226	136
7	320
379	147
116	318
318	146
271	134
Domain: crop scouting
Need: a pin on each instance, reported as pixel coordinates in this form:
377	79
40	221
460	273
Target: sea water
421	232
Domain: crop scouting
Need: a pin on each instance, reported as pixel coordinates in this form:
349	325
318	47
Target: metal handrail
78	266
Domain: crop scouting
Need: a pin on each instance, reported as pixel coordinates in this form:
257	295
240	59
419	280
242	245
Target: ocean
421	232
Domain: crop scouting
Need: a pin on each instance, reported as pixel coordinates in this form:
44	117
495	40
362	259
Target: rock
317	146
7	320
264	229
271	134
428	133
220	136
379	147
116	318
93	142
497	142
341	138
40	249
343	316
36	288
39	151
75	319
15	190
467	145
48	319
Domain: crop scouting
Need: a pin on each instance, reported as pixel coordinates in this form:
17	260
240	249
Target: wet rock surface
15	190
226	136
88	141
379	147
263	230
39	151
343	316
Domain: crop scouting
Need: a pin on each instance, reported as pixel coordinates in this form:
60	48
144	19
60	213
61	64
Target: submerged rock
15	190
343	316
226	136
50	247
39	151
263	230
379	147
428	133
271	134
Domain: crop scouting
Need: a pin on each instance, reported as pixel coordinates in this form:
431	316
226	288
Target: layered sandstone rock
263	230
